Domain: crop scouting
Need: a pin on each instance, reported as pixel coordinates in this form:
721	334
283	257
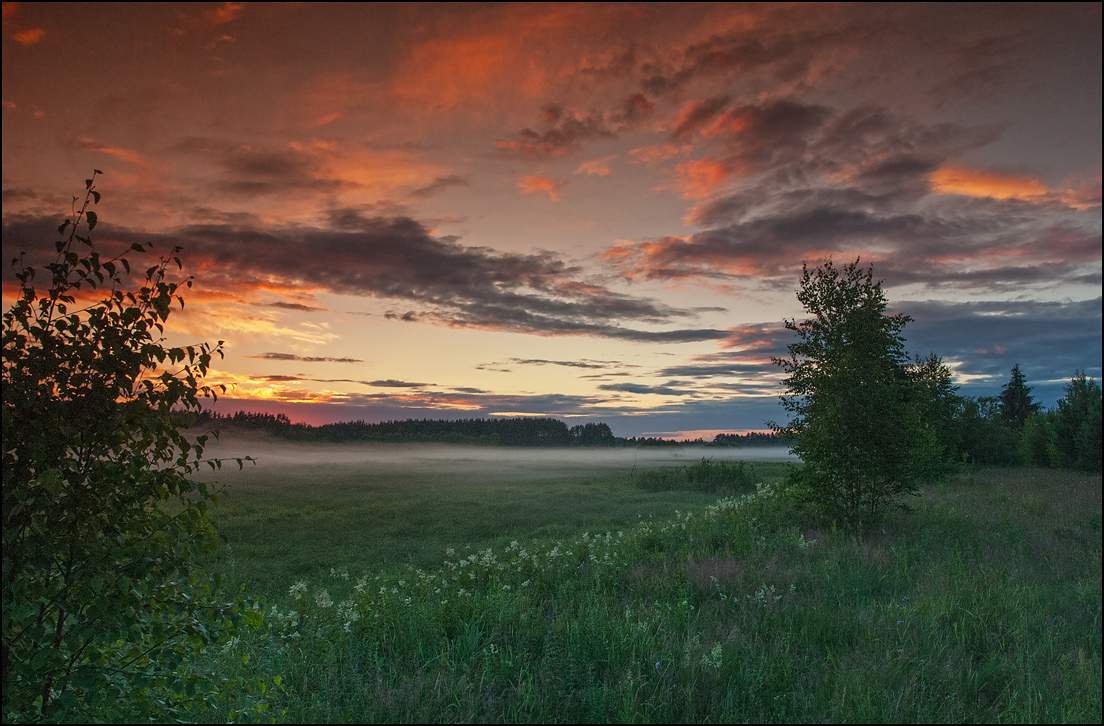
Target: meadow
487	584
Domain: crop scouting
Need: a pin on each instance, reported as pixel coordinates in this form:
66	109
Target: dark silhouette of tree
1015	401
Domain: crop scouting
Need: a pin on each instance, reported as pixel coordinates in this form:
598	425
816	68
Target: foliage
1015	401
723	477
103	598
1038	443
983	436
857	413
1077	426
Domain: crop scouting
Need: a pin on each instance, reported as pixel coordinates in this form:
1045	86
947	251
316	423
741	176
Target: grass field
494	587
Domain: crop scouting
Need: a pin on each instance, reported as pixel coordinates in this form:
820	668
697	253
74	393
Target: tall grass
983	603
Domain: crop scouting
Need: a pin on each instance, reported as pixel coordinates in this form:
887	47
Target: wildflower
298	590
323	599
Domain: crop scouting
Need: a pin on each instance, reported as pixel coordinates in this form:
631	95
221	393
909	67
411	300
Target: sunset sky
586	211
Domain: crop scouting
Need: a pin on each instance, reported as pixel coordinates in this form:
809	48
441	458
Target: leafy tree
592	434
1038	441
983	437
104	598
1015	401
940	402
856	411
1077	426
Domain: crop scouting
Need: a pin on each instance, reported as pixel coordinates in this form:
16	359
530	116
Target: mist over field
532	463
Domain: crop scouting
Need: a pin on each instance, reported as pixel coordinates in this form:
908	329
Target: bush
723	477
104	598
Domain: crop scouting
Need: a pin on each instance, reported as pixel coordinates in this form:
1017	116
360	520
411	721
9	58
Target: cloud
439	185
986	338
862	183
304	359
13	28
985	183
537	184
397	258
294	306
563	135
596	167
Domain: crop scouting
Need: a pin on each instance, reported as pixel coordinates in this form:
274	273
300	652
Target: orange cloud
496	57
659	152
699	178
985	183
223	13
127	155
23	36
29	37
537	184
595	167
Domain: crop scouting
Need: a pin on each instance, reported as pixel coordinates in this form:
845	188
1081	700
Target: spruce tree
1015	401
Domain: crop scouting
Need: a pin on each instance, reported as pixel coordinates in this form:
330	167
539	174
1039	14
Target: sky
596	212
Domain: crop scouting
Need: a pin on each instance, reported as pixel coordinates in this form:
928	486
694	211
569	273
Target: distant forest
482	431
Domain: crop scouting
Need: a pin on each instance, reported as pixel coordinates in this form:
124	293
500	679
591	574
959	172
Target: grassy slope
983	603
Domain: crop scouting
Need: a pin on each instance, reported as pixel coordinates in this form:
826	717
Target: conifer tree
1015	401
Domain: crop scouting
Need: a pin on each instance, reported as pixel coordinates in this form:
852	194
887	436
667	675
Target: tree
855	408
1077	425
1015	401
104	597
941	404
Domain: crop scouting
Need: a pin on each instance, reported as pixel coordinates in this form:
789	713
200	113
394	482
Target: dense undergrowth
982	603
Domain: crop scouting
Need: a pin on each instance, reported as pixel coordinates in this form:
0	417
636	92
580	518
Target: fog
273	454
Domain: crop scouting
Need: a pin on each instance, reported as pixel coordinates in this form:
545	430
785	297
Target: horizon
581	211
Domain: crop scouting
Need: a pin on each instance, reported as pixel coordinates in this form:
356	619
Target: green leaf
91	219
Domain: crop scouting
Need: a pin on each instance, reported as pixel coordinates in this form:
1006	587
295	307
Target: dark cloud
392	383
439	185
858	184
396	258
987	338
644	388
567	131
306	359
562	134
295	306
564	363
248	171
11	195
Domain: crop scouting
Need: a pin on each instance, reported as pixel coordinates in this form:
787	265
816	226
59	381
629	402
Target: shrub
724	477
104	600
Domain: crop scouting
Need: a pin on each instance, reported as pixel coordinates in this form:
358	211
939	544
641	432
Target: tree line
518	431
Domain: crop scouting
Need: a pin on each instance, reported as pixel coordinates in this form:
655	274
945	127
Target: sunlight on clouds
986	183
538	184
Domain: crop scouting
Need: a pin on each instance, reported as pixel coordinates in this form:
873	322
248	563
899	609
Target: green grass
982	603
286	523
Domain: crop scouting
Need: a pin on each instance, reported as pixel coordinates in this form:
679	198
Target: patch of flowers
471	583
